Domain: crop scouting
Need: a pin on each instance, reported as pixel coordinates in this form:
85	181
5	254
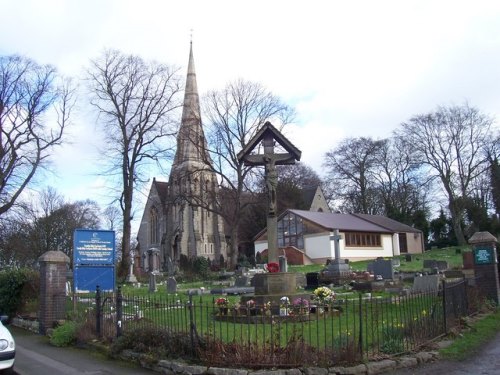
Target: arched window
153	225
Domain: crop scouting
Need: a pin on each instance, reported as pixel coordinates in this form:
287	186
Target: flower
267	305
273	267
221	302
250	303
324	294
300	302
285	300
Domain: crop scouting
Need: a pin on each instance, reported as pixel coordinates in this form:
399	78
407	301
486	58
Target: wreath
273	267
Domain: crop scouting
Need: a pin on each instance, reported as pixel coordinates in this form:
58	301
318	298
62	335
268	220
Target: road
485	362
35	356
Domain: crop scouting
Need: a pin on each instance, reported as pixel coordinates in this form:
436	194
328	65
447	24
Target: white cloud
350	68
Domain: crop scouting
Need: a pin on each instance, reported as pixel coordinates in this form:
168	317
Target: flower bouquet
251	306
222	303
301	306
273	267
284	305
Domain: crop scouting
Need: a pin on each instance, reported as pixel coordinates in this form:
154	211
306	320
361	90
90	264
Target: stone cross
336	245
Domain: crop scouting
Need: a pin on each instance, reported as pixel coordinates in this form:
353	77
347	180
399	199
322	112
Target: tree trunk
456	219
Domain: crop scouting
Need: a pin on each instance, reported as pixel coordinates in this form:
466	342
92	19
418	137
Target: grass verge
471	341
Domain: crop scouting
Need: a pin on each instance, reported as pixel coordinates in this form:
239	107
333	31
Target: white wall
318	246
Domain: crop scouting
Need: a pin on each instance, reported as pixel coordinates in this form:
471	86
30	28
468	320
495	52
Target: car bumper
7	359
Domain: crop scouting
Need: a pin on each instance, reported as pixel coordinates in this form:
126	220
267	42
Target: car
7	348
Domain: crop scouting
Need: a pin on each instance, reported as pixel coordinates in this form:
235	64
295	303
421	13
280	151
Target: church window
153	225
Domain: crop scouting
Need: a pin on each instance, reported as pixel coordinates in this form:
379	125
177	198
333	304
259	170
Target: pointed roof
191	142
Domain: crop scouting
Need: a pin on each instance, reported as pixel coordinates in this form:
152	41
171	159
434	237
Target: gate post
486	264
53	274
98	311
119	312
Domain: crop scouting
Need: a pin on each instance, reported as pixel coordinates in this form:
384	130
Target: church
178	217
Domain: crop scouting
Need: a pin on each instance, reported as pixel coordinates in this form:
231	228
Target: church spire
191	143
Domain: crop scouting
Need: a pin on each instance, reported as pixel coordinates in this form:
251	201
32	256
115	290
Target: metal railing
348	330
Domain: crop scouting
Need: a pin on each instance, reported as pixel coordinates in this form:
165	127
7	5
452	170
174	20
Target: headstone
383	268
312	281
424	284
396	262
152	282
171	285
454	274
442	265
430	263
369	267
241	281
283	263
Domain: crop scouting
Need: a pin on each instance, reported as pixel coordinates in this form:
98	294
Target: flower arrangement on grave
323	294
266	307
273	267
251	304
284	305
301	306
221	302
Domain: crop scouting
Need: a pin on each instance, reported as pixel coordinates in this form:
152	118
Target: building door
403	244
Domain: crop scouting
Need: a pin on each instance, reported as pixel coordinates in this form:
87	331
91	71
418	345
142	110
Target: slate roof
162	189
388	223
342	222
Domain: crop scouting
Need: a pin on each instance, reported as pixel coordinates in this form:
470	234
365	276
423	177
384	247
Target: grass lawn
453	255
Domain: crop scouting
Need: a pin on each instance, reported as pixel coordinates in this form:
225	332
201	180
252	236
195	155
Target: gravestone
171	285
383	268
426	284
430	263
369	267
241	281
312	280
442	265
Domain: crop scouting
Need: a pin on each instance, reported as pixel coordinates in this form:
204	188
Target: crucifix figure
269	135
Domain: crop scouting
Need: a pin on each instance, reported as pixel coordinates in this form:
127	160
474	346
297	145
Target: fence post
444	308
98	311
191	323
360	344
119	311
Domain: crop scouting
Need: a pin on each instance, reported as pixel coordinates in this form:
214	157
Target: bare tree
136	101
234	115
351	169
29	95
452	142
402	183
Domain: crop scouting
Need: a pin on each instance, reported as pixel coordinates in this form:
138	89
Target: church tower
193	229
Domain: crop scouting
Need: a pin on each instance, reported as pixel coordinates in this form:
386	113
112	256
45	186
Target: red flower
273	267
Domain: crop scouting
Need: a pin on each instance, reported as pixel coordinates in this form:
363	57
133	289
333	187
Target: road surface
35	356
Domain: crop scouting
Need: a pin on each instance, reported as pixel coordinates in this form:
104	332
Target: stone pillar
53	274
486	265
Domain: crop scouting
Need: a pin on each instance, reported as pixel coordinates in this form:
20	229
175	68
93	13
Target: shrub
154	342
64	335
18	289
201	267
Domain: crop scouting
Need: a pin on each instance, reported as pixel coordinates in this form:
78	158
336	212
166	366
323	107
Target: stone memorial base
335	272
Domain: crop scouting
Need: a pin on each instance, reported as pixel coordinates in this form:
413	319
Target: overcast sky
350	68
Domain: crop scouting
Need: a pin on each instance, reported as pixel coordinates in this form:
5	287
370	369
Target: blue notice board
93	260
87	278
93	247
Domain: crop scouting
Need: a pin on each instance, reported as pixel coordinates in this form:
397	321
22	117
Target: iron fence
346	330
